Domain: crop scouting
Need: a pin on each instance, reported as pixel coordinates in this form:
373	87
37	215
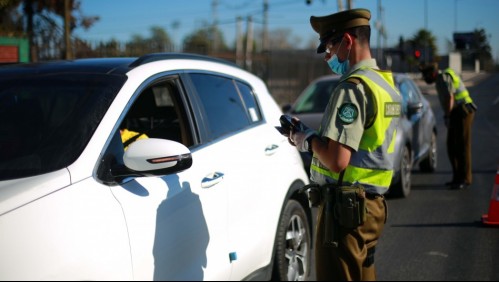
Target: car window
228	106
405	91
315	97
47	120
250	102
157	113
409	92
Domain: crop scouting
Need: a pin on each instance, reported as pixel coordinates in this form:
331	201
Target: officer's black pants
353	259
459	143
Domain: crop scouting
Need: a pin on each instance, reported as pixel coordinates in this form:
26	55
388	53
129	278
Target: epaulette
354	80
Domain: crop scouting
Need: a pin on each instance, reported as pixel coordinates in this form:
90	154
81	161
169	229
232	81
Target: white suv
210	191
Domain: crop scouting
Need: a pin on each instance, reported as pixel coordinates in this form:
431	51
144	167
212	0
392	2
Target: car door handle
270	150
212	179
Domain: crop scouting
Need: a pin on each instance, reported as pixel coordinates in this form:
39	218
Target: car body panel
19	192
77	232
422	119
216	220
167	221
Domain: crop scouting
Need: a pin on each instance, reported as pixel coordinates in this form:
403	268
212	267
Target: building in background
13	50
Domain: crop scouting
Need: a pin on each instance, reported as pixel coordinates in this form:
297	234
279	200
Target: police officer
459	112
355	141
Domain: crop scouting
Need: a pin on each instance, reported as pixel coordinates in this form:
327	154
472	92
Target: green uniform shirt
348	130
349	95
445	89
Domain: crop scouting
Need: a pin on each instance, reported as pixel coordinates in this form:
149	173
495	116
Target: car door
426	124
415	111
177	223
246	148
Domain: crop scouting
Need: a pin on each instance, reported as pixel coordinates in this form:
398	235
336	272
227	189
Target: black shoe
459	186
450	183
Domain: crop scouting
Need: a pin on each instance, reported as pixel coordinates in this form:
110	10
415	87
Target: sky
120	19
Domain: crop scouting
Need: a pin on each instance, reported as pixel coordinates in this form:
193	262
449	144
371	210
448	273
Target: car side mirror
153	157
414	108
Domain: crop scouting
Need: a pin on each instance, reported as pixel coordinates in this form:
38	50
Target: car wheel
293	244
429	164
402	187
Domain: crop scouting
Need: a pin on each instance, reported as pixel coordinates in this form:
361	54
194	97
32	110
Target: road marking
435	253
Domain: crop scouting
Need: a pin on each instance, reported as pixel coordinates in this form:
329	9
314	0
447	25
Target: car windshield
315	97
46	120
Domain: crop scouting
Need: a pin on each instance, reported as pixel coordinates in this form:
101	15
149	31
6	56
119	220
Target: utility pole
426	51
67	31
265	41
340	5
239	42
214	29
249	43
379	24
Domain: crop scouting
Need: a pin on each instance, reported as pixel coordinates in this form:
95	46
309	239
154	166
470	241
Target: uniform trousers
353	259
459	143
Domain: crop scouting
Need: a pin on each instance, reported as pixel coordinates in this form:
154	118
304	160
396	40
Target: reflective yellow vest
372	164
127	134
461	95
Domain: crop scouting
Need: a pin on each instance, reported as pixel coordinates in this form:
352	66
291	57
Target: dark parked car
416	137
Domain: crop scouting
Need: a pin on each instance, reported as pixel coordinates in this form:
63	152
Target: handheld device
286	125
286	121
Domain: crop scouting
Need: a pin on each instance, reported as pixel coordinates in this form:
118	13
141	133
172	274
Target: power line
237	7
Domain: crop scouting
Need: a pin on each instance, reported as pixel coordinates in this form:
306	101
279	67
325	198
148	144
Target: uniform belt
373	196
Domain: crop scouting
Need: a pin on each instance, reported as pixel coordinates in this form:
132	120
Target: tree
10	20
136	46
480	48
424	48
159	41
280	39
41	25
201	41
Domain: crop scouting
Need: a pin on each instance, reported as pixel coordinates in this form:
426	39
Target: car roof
118	66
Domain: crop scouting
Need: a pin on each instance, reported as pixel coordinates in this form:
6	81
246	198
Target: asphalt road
437	234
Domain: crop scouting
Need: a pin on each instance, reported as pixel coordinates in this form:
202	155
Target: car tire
402	187
429	164
292	260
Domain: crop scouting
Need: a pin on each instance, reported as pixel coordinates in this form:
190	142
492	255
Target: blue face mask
337	66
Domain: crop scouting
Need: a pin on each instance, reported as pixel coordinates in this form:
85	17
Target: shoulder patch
348	113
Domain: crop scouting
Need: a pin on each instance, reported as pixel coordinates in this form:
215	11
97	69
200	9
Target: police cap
428	68
332	25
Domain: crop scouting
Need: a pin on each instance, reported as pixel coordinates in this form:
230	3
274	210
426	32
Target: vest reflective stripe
461	95
372	164
383	177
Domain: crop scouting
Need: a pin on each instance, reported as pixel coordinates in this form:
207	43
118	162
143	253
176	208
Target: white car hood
18	192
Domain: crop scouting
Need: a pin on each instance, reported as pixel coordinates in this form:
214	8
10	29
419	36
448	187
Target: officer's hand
300	134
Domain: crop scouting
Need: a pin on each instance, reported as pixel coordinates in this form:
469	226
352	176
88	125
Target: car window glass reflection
224	109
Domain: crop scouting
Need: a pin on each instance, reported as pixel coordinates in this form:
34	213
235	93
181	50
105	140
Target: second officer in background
459	112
